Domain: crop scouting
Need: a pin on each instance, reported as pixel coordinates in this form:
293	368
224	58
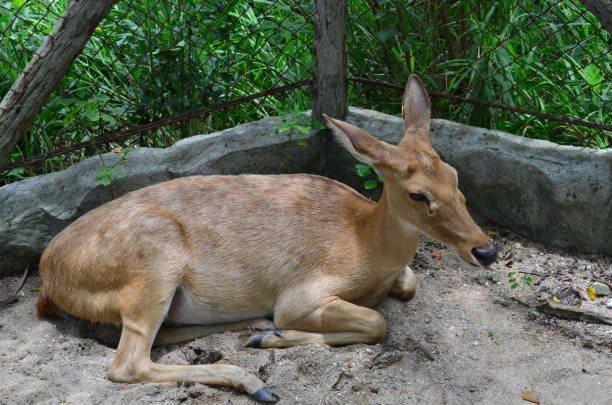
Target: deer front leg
334	322
140	323
405	285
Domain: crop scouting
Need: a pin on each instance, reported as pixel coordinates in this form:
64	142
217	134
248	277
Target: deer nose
485	255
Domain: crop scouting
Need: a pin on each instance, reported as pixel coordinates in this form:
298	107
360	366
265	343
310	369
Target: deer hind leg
176	334
335	323
405	285
132	362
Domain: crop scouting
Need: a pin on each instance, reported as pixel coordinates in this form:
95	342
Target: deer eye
419	197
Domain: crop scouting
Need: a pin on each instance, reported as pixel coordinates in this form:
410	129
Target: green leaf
527	280
316	124
302	128
370	184
592	75
386	34
429	240
92	115
363	170
15	4
16	172
34	289
514	285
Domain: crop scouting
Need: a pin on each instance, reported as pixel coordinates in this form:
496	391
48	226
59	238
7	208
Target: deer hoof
257	339
265	395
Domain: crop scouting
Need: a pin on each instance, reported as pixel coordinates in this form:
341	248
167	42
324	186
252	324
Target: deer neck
392	241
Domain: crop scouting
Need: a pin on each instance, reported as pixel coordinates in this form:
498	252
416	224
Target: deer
199	255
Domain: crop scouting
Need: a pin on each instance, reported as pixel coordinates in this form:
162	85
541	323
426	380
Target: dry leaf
556	299
437	255
530	396
491	233
591	292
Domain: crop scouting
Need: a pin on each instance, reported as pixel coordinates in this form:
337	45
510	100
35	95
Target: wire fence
159	70
540	69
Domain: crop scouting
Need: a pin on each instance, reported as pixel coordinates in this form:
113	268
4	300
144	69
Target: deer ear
416	109
363	146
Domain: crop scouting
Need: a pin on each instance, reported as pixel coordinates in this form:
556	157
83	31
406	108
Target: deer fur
203	254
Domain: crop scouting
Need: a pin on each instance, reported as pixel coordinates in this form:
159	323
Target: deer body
204	254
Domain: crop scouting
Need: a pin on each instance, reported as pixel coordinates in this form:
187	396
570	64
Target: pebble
601	289
475	343
609	304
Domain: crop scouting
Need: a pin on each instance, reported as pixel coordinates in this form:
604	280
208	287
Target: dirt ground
466	338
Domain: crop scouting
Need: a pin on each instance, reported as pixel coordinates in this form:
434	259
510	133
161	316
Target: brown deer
203	254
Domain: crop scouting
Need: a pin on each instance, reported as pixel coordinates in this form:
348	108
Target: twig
569	312
532	274
13	298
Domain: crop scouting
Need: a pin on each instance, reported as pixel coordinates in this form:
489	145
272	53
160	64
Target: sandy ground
464	339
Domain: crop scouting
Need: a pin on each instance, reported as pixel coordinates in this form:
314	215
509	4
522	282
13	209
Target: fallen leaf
437	255
591	293
530	396
556	299
491	233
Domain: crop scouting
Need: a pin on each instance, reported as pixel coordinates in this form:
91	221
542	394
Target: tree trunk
48	65
329	89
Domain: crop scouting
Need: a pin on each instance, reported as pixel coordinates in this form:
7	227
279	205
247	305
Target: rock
601	289
34	210
609	304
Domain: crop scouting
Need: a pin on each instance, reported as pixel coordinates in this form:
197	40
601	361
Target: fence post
47	67
329	89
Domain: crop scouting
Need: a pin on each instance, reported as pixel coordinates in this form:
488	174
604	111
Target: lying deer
203	254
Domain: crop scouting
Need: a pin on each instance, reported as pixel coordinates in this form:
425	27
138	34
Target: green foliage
515	280
429	240
544	55
297	127
492	336
492	277
371	179
105	175
149	60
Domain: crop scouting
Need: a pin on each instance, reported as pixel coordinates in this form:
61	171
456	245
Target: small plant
492	277
299	124
492	336
105	175
372	180
429	240
515	280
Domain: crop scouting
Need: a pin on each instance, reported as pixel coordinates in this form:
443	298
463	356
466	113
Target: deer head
419	188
